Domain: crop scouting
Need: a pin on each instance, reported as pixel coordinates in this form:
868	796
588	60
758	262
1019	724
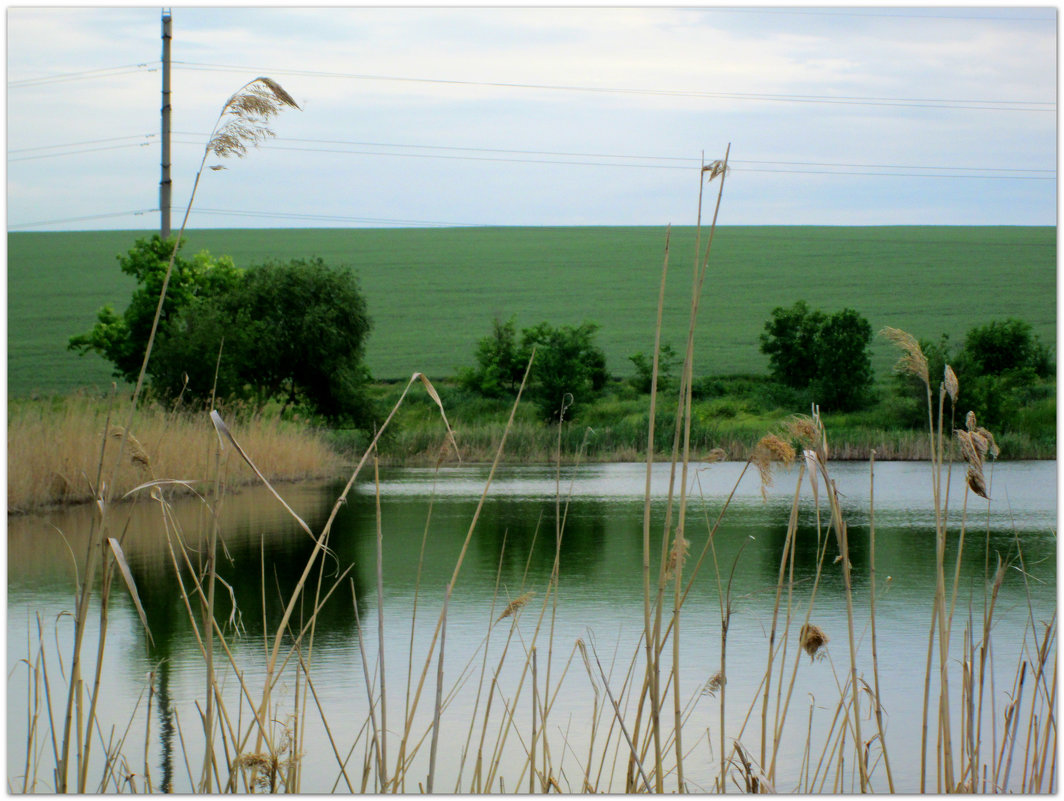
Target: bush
644	370
1003	371
828	356
568	368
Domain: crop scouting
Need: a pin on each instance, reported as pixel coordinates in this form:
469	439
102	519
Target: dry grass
53	450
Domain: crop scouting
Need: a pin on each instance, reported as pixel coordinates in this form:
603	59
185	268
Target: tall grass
54	450
253	714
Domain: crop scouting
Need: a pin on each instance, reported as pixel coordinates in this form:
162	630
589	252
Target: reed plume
912	360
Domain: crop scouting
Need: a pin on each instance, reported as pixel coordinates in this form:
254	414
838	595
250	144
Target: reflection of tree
255	557
531	531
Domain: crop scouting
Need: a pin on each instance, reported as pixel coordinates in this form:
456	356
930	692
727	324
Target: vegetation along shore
762	364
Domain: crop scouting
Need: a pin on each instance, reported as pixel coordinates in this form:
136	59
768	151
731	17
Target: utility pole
165	184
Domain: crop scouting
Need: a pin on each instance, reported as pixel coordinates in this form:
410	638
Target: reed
54	450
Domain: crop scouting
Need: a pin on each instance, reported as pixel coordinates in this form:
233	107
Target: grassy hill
433	292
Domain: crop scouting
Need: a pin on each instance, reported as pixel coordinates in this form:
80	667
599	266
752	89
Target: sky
501	115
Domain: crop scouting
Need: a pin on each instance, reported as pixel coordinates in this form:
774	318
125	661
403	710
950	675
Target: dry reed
54	451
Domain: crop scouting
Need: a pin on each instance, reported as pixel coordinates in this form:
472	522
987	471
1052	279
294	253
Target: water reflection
424	521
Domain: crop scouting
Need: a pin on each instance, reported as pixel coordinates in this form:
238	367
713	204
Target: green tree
568	369
826	356
500	363
789	340
1004	368
123	339
844	377
293	331
644	369
1003	347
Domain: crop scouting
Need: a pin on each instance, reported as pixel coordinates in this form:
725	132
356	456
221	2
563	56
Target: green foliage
500	363
826	355
568	368
1005	375
644	369
410	278
292	331
789	341
1004	347
844	369
123	339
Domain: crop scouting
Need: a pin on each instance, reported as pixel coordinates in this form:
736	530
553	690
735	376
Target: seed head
912	360
812	639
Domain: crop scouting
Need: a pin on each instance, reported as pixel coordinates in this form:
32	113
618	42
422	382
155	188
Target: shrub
568	368
827	355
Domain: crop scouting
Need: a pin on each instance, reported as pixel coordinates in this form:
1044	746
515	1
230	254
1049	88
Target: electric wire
846	171
133	213
104	72
934	103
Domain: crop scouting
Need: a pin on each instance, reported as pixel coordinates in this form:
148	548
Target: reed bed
54	449
254	714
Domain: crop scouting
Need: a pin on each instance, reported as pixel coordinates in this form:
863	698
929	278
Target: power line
79	144
104	72
934	103
135	213
837	168
79	152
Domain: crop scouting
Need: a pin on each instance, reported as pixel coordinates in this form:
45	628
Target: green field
433	292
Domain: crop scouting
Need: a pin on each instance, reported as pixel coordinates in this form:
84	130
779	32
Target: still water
424	517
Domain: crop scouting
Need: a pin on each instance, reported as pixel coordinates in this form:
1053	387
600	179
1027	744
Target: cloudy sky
540	116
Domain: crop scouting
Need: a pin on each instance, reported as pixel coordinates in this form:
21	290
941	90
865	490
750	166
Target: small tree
1003	367
844	367
500	363
1002	347
293	331
644	369
568	367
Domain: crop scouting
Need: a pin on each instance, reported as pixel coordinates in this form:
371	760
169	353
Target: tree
644	369
1003	347
789	340
568	366
1003	367
827	356
844	366
123	339
294	332
500	363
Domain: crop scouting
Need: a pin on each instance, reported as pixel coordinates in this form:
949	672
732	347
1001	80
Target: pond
588	665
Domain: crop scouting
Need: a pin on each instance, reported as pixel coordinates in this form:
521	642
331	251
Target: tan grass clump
246	115
976	444
54	449
677	555
951	384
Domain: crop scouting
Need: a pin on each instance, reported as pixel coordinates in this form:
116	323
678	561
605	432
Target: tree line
296	333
